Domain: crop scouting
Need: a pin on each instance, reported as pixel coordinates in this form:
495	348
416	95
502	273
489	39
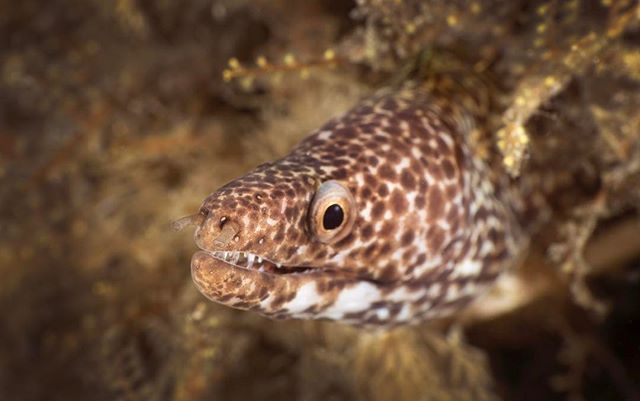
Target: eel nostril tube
229	230
193	220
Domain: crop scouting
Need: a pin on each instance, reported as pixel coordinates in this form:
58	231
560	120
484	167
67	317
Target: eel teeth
243	259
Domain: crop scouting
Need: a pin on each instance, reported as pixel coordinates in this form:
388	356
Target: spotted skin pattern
433	229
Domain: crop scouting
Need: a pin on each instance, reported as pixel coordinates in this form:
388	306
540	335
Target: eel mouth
249	265
254	262
243	279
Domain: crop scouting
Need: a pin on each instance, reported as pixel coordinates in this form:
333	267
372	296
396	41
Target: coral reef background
115	120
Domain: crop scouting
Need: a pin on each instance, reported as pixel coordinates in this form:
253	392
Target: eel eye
332	212
333	217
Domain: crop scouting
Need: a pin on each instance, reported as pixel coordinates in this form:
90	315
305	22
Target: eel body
383	216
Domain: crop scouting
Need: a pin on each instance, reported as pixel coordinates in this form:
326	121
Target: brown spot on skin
390	105
346	133
387	229
244	202
481	215
435	237
290	296
394	130
378	210
340	174
370	180
442	145
386	172
393	157
298	187
461	160
407	238
312	309
493	235
452	191
420	202
397	142
383	190
423	186
436	172
429	153
407	180
369	251
436	206
355	315
409	271
355	253
380	139
345	241
408	255
366	232
386	248
369	127
395	308
378	305
279	236
466	245
389	273
291	251
448	168
289	213
398	201
453	217
417	168
492	263
321	254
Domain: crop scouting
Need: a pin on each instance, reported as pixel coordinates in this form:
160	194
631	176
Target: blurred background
115	120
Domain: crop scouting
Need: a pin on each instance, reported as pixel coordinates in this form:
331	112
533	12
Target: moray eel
383	216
